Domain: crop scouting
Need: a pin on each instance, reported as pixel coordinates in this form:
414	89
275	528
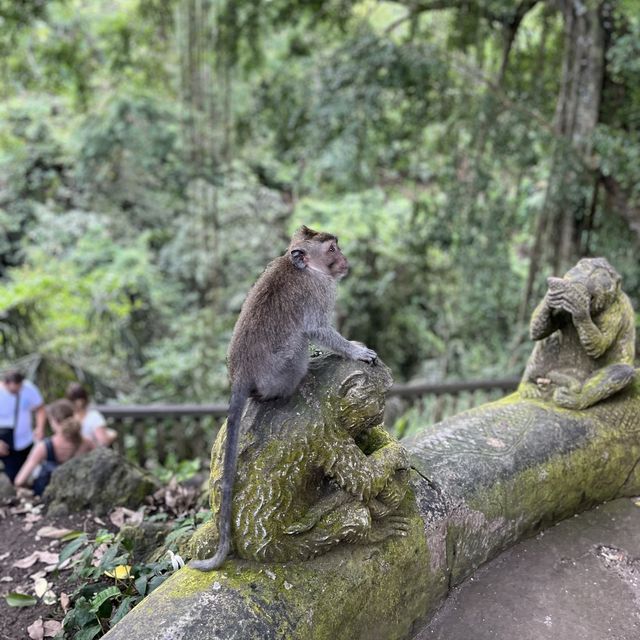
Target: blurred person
94	424
66	442
20	399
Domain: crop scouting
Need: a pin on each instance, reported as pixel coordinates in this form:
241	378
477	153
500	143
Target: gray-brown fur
289	306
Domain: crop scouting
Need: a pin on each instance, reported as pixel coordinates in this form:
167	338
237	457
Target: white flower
176	561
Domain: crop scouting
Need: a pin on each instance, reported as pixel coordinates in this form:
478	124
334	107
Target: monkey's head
317	251
598	277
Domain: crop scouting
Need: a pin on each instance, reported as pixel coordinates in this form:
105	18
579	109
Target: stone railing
152	431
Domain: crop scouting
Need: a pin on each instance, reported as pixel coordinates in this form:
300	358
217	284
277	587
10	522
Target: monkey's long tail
236	407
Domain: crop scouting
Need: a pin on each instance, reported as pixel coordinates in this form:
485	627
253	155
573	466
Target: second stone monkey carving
584	329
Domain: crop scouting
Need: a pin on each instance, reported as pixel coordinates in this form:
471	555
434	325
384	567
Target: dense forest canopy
156	154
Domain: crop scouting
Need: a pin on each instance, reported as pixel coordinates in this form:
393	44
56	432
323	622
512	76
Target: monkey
290	305
584	329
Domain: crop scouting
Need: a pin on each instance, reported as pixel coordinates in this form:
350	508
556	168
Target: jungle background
156	154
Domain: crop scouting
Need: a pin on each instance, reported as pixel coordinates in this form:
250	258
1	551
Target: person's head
78	396
13	380
63	421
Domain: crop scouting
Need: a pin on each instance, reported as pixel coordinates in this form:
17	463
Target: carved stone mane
314	471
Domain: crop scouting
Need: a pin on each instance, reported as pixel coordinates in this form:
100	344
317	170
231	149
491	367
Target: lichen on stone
314	471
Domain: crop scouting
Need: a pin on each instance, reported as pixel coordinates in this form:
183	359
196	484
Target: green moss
377	592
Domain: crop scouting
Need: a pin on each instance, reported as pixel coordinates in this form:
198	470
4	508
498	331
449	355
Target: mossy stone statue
585	332
314	471
317	474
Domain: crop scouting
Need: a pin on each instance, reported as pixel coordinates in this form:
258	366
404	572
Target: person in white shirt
20	400
94	425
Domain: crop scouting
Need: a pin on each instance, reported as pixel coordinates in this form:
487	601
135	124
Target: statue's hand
573	299
530	391
299	527
568	398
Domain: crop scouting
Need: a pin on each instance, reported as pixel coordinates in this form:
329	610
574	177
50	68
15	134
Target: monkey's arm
542	323
328	337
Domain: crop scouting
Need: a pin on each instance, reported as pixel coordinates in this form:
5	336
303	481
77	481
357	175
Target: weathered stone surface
511	468
100	481
482	480
315	471
575	581
584	328
7	490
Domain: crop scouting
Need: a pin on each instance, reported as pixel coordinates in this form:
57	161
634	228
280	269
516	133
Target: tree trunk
577	112
567	203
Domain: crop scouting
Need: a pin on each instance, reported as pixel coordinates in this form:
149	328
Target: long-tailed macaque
289	306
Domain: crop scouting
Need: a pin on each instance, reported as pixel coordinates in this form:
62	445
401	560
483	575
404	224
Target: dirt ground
20	521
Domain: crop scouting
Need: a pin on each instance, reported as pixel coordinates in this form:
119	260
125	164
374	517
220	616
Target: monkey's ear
299	257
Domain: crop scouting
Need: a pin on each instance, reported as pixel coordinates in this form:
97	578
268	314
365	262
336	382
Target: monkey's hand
362	353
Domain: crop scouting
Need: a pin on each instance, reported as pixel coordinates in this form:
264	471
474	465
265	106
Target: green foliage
155	155
110	580
15	599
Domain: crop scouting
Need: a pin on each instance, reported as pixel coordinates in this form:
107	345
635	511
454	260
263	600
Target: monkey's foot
393	526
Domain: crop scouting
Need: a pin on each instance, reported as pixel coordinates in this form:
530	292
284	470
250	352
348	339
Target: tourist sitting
66	442
94	425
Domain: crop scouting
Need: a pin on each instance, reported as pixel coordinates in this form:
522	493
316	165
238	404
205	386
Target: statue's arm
379	445
597	337
360	475
542	321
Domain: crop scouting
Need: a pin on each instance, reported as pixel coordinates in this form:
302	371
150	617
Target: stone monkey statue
584	329
316	471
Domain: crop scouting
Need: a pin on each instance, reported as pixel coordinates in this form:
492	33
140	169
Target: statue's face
363	402
598	278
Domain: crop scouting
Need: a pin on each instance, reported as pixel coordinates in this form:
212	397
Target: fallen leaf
65	601
176	561
27	562
49	597
98	553
121	572
36	630
6	579
4	556
51	628
37	556
99	521
15	599
40	587
52	532
38	574
121	516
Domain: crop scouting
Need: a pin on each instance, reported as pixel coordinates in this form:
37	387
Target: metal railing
187	430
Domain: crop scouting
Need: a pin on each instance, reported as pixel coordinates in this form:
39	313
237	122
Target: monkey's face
335	261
